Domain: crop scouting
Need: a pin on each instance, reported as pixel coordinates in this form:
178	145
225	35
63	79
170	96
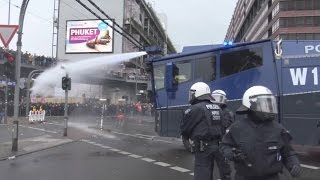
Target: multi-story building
138	19
286	19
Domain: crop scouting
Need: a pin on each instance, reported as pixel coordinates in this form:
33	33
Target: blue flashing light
225	43
230	43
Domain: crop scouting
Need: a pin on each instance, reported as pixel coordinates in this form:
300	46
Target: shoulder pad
187	111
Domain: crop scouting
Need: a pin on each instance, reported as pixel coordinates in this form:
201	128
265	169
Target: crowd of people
90	108
27	58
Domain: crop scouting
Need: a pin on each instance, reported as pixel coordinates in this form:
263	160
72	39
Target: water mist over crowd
44	84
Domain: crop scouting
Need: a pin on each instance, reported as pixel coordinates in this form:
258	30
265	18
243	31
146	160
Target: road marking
147	136
148	160
143	137
124	152
39	129
115	150
135	156
310	167
180	169
84	140
132	135
56	124
162	164
177	168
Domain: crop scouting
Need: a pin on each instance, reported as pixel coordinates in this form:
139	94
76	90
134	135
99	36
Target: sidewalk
30	140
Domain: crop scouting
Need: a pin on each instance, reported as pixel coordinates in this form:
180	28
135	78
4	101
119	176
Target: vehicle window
205	68
234	62
184	71
159	72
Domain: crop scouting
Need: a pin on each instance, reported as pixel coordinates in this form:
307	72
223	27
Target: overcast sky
190	22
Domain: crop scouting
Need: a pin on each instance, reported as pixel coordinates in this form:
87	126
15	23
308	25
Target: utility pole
18	68
9	15
9	12
6	101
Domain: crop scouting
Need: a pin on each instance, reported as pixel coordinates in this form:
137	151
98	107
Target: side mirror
171	83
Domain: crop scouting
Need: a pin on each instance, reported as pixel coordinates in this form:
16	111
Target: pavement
31	139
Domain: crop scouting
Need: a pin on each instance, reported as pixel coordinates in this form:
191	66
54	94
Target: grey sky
196	22
190	22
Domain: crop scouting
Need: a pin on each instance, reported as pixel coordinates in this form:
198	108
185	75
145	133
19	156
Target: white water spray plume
46	81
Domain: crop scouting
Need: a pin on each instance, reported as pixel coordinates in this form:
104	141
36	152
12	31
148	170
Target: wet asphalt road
120	151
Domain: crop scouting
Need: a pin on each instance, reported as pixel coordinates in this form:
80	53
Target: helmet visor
264	103
219	98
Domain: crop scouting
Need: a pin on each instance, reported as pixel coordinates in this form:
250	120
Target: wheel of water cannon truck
187	144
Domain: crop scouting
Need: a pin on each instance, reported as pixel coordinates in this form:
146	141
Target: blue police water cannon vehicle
289	68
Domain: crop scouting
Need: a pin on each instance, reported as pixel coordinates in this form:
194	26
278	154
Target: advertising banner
89	36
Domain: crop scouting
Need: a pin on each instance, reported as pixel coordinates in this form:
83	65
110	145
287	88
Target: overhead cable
93	13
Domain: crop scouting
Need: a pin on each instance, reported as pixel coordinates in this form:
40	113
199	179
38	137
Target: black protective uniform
222	162
202	124
228	116
259	149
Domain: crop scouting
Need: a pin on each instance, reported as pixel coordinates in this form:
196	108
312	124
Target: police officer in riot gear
258	144
202	124
220	98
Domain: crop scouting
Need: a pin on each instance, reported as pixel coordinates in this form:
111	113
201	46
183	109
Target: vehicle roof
207	48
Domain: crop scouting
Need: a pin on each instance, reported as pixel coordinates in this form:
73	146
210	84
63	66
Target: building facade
138	19
286	19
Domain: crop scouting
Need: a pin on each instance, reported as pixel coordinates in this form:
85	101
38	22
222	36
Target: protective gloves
296	171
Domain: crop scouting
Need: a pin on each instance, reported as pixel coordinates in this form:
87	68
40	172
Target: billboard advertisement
89	36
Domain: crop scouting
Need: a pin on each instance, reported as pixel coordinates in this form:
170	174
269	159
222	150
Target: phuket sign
89	36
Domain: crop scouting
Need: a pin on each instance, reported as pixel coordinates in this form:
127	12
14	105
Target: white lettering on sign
309	48
315	76
299	76
78	32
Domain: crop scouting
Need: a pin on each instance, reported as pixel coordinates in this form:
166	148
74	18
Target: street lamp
5	100
18	60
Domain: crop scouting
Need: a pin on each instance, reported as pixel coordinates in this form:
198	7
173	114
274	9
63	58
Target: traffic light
9	70
66	83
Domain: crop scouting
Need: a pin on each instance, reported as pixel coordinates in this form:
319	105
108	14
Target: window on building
316	21
205	69
309	36
309	21
299	5
316	4
184	71
238	61
309	4
301	36
299	21
159	73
